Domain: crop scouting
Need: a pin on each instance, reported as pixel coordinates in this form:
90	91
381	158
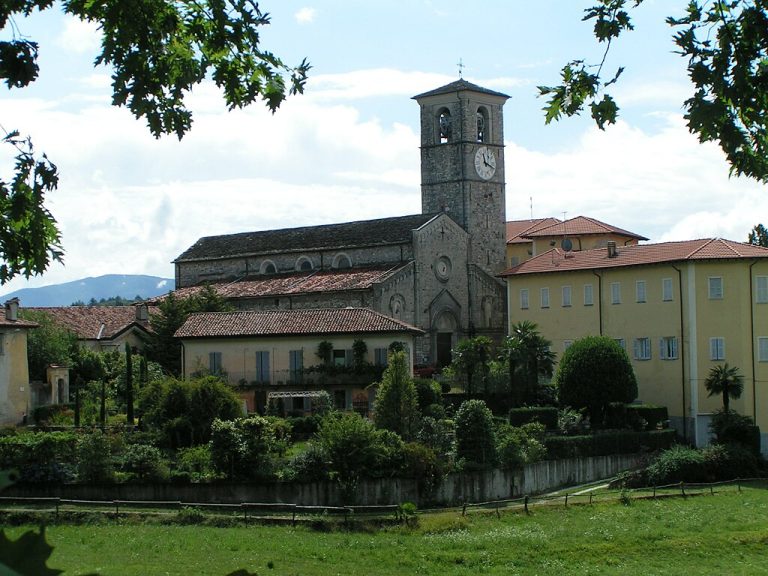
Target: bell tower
462	165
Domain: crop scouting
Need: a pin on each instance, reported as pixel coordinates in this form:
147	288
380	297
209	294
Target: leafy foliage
593	372
158	51
47	344
726	381
181	412
529	358
732	428
470	358
522	445
724	43
94	458
162	346
27	555
758	236
396	400
475	436
247	447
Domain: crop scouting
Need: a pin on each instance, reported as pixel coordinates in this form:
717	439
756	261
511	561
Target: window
524	299
566	295
615	292
380	356
717	348
668	348
214	362
666	289
640	291
545	297
262	366
642	348
761	289
268	267
620	342
588	295
342	357
715	288
295	365
762	349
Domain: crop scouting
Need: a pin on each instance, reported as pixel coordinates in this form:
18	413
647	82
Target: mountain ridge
126	286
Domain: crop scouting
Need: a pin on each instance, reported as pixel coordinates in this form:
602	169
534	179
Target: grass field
722	534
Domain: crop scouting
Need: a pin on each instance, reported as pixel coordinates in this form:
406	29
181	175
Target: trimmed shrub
518	446
593	372
678	464
39	456
654	416
311	465
428	392
608	442
475	436
733	428
546	415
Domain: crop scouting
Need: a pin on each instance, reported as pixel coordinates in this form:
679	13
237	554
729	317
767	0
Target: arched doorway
444	330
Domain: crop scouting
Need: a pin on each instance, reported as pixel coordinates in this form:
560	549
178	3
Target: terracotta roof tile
580	225
517	229
291	322
556	260
380	232
96	322
298	283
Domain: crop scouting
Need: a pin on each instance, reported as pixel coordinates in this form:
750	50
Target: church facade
437	270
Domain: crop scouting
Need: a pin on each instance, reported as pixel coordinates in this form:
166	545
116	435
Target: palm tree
528	356
725	380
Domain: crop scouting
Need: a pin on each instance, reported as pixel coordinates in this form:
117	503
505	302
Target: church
437	271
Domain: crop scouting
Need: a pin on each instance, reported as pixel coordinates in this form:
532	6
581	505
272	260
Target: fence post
245	512
525	503
58	501
654	492
738	483
498	514
117	508
566	499
590	497
464	508
682	487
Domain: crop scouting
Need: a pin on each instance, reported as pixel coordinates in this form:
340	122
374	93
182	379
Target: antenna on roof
460	64
531	199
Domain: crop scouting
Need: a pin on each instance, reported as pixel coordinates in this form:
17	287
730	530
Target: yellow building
274	353
529	238
15	399
678	308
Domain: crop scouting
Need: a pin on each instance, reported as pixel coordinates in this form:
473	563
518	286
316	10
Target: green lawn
722	534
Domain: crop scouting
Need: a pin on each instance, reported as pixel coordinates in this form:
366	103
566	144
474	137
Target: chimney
12	309
612	249
142	313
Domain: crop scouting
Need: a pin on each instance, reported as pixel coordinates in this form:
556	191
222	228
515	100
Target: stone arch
341	261
483	124
267	267
444	329
304	264
444	126
397	306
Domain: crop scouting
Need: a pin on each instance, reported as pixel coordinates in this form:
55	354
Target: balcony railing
334	375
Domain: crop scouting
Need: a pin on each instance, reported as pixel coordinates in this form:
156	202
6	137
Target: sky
348	148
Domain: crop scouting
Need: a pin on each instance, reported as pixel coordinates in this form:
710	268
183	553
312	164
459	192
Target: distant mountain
124	285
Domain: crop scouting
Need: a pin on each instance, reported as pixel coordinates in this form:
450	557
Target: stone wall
454	490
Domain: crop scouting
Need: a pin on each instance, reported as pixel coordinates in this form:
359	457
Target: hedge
39	456
608	442
546	415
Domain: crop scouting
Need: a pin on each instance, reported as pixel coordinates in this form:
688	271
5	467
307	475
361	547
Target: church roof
363	233
318	321
638	254
579	226
458	86
295	283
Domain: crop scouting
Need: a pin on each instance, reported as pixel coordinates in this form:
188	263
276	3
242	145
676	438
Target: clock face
485	163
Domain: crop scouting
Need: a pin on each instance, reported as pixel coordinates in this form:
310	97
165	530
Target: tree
158	52
128	385
470	358
47	344
163	347
758	236
475	437
528	358
726	381
593	372
724	43
397	407
350	444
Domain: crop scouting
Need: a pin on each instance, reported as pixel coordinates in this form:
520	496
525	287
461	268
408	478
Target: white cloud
79	36
305	15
